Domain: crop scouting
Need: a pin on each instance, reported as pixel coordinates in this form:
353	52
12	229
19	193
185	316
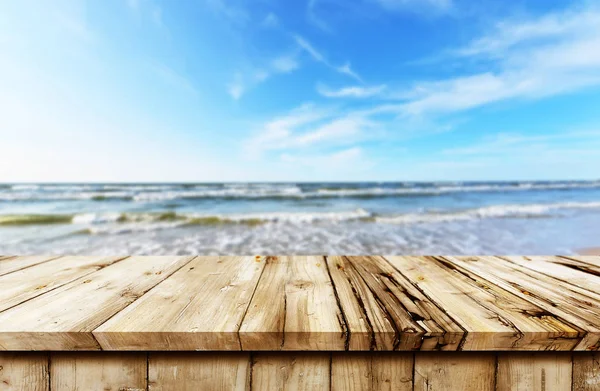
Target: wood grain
24	371
551	295
9	264
371	371
198	371
27	283
63	319
450	371
316	303
534	371
291	371
418	323
494	318
98	371
294	308
586	371
198	308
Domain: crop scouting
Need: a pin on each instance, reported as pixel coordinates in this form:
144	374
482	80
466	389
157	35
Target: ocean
300	218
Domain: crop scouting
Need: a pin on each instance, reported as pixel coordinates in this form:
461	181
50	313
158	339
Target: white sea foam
159	193
494	211
96	218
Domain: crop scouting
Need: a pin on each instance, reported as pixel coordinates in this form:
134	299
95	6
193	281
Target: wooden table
301	322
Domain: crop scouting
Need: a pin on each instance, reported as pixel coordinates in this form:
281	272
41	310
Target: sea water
300	218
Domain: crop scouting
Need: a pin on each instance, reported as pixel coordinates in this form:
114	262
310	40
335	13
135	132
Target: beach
301	218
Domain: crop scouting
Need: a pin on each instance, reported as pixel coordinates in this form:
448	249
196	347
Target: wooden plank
417	323
24	371
586	371
34	281
198	308
199	371
585	282
553	297
593	260
450	371
534	371
369	323
63	319
98	371
494	318
10	264
294	308
580	263
305	371
372	371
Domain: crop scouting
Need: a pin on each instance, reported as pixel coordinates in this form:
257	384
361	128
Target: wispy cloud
232	13
319	57
308	126
174	78
311	15
236	87
270	21
285	64
515	143
550	55
350	92
245	81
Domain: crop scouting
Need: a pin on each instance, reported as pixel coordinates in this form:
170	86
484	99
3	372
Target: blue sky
310	90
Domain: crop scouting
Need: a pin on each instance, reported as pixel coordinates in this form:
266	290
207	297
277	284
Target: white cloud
514	143
304	44
350	92
309	126
528	67
284	64
312	17
317	56
245	81
236	87
231	13
510	33
347	70
261	75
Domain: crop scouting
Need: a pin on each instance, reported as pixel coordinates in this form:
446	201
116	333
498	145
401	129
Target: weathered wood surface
301	371
64	318
30	282
110	371
534	371
335	303
9	264
372	371
199	308
295	307
455	371
197	371
24	371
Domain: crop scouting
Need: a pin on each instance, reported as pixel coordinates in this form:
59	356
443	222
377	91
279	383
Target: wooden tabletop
332	303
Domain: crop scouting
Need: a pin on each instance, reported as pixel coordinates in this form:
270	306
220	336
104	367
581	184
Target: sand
589	251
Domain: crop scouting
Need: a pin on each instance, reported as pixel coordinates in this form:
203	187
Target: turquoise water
307	218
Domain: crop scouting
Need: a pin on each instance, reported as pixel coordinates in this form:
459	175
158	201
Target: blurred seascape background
300	218
299	127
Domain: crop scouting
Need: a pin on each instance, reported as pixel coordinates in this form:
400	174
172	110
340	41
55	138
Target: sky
299	90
